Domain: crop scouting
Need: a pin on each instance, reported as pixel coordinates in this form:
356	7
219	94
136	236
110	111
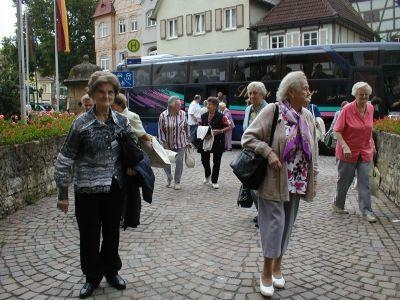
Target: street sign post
125	79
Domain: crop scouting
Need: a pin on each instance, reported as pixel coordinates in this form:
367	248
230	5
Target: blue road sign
125	79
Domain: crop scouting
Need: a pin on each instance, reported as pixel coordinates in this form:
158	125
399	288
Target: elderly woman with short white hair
173	132
291	171
256	92
355	150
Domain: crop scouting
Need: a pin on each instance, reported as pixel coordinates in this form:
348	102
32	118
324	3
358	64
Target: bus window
215	70
141	75
361	58
169	73
314	65
391	57
254	68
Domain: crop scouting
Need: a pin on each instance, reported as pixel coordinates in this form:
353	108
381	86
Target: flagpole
21	63
56	83
27	57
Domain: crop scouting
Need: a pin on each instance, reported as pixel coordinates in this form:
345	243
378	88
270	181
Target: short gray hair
257	85
291	81
100	77
172	100
213	100
359	85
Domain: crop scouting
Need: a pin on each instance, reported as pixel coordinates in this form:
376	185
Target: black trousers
97	213
205	160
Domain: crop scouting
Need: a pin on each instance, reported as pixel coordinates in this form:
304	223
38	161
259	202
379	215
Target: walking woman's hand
63	205
273	161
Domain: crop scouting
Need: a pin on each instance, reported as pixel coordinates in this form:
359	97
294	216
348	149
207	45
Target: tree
9	78
81	33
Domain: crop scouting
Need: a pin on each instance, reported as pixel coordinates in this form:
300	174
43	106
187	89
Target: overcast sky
7	18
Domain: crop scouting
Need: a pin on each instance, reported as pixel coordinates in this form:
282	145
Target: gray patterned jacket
92	151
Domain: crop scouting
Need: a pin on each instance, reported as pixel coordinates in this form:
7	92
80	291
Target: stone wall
388	164
27	173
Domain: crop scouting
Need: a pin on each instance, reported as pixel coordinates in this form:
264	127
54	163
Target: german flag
62	26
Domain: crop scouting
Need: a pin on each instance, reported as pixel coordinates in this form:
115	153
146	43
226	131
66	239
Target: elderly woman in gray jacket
291	171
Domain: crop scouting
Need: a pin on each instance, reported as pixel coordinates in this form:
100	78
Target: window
122	26
105	62
103	28
134	24
121	56
169	73
278	41
215	70
230	18
172	26
310	38
199	23
150	22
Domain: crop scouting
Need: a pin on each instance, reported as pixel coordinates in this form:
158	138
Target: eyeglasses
363	95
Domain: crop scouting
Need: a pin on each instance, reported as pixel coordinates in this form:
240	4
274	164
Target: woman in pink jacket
291	171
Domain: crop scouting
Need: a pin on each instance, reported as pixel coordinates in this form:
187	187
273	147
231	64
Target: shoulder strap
274	122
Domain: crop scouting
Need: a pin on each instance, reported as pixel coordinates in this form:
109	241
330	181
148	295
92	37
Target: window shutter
208	21
239	16
180	26
218	19
264	42
295	39
162	30
323	36
189	27
289	42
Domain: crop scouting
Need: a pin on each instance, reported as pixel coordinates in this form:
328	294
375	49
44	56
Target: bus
331	71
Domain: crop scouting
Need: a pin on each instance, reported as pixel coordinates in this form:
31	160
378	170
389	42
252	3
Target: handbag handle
274	122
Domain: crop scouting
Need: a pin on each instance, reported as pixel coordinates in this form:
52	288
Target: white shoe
215	186
279	283
206	180
267	291
169	183
177	186
370	217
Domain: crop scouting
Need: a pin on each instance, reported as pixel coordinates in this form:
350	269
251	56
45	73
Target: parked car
41	106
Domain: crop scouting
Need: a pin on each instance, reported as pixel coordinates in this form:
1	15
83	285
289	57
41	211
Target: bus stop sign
125	79
133	45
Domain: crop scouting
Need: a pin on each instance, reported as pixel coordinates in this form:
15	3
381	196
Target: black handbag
131	153
244	198
250	167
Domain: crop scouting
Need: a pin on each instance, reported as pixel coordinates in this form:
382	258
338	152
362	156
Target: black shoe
86	290
255	219
116	282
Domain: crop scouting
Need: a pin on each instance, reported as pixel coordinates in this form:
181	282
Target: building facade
119	21
199	27
315	23
383	16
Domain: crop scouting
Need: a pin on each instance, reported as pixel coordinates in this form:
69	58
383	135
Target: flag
62	26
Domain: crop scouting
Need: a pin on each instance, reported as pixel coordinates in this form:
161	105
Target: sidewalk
196	243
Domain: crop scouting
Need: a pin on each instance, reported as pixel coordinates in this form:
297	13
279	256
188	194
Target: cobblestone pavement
196	243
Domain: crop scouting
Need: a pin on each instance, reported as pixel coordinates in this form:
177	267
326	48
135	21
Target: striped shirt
173	129
92	151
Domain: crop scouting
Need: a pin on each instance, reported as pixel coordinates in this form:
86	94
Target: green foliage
388	125
9	80
81	32
40	125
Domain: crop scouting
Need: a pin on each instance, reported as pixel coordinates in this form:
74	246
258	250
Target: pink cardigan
256	137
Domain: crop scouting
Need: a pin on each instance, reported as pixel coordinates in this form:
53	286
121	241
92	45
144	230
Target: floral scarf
299	136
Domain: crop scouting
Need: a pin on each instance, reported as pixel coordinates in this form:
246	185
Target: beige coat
256	137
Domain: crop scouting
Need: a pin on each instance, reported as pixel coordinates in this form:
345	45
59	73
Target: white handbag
190	160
